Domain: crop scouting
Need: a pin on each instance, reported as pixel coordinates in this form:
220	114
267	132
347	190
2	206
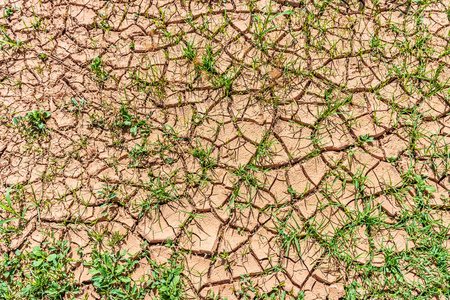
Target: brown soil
227	220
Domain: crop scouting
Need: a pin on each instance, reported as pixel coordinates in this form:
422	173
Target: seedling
8	12
190	52
8	207
108	193
161	192
135	124
33	123
204	157
208	61
139	153
104	23
99	70
262	27
77	105
43	57
37	22
366	138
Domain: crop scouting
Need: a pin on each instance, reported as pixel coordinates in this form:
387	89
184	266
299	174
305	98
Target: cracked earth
273	149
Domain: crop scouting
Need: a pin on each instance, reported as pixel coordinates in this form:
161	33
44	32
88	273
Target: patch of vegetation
34	123
111	275
101	75
135	124
8	13
167	279
39	274
161	191
77	105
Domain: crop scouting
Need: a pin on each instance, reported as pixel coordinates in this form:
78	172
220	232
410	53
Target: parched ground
224	149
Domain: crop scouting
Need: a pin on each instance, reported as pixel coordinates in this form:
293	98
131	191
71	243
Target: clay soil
224	149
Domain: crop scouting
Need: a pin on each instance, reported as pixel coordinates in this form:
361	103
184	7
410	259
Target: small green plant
204	157
190	52
170	132
8	13
37	23
262	26
33	123
108	192
135	124
116	238
160	191
43	57
139	153
225	81
125	118
247	175
104	23
8	207
248	287
167	280
98	68
366	138
208	61
77	105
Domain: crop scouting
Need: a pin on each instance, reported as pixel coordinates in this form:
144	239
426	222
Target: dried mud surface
279	157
